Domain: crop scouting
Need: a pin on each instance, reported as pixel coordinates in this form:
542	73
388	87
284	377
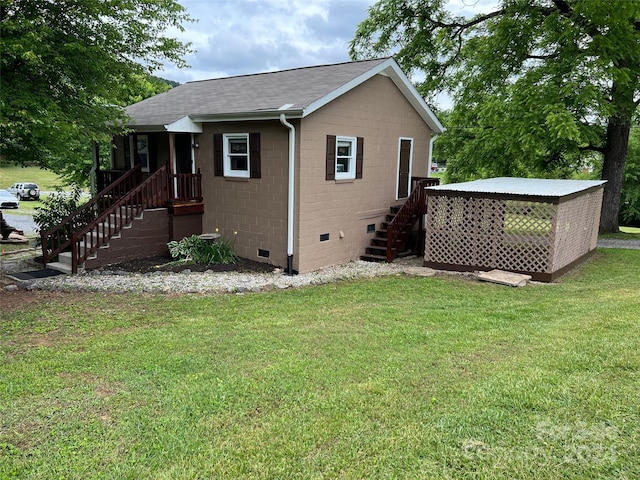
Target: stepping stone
505	278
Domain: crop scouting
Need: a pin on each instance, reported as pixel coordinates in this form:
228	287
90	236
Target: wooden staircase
81	235
390	241
65	259
377	251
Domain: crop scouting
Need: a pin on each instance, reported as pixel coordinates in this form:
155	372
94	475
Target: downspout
291	189
433	139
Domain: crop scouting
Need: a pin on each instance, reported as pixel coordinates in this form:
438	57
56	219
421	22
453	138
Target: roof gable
297	92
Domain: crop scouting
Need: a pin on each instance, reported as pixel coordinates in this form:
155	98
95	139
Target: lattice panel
490	233
577	228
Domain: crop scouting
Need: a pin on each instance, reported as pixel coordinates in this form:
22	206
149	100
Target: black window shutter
359	157
255	169
331	157
218	169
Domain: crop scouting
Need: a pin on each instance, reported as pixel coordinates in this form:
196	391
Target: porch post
136	155
172	166
95	169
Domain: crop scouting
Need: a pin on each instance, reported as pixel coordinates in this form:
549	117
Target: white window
345	158
236	155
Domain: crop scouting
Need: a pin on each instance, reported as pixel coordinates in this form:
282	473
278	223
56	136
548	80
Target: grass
626	233
46	180
387	378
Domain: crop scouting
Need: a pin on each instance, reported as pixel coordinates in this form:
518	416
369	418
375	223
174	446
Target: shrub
197	250
55	208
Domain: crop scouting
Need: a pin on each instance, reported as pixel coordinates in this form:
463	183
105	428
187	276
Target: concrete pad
505	278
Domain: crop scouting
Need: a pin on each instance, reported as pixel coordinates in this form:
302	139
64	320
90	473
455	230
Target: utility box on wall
534	226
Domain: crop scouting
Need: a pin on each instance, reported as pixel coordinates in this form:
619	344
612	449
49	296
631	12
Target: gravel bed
209	281
117	281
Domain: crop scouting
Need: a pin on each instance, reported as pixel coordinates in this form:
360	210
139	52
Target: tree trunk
615	157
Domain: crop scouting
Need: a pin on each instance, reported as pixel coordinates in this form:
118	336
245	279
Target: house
299	167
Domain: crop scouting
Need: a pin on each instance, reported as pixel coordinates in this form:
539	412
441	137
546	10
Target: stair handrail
60	236
152	193
414	207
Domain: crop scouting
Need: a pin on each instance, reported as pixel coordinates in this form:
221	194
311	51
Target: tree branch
542	57
591	148
463	26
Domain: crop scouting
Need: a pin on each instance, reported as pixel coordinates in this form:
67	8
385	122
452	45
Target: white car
7	200
25	190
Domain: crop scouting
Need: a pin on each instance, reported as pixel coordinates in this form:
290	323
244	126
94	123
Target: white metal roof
535	187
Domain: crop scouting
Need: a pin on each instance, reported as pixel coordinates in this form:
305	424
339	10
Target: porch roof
296	92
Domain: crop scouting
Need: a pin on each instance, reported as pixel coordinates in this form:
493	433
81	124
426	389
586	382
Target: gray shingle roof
299	89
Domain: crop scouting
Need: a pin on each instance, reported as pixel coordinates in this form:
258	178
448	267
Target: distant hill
172	83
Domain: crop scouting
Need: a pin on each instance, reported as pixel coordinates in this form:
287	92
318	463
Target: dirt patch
15	300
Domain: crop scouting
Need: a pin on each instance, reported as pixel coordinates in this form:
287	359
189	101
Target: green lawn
626	233
388	378
46	180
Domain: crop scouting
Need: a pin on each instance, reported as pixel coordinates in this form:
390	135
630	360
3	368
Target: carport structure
539	227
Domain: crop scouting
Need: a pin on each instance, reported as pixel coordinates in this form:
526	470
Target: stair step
376	251
373	258
62	267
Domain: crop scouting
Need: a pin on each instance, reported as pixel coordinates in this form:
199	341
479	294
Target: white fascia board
184	125
248	116
409	91
146	128
391	69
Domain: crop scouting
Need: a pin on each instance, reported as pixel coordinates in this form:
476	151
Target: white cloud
236	37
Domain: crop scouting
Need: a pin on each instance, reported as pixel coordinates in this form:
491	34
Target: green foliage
197	250
55	208
630	200
69	67
538	86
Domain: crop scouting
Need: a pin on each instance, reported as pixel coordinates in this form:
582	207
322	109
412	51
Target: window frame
226	156
350	174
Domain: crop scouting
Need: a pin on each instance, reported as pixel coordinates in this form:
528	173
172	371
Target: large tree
68	68
539	86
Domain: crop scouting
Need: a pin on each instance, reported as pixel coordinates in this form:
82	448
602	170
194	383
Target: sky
237	37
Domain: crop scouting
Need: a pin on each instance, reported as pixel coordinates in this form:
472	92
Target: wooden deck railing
152	193
412	211
58	238
186	187
105	178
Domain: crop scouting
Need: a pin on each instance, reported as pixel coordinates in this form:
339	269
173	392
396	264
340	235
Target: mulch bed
167	264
